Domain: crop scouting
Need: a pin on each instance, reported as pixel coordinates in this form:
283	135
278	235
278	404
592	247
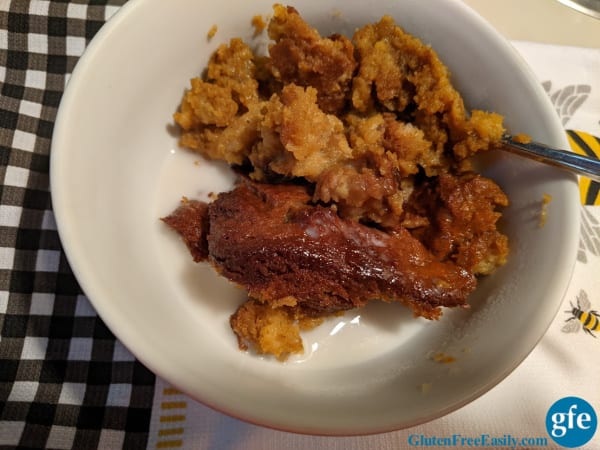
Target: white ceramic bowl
116	168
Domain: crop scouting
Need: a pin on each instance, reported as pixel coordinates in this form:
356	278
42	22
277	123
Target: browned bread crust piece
280	247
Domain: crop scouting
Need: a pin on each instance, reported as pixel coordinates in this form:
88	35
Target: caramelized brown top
456	218
285	247
190	220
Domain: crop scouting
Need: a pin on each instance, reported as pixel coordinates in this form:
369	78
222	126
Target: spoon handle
583	165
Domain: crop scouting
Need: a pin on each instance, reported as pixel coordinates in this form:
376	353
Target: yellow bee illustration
582	316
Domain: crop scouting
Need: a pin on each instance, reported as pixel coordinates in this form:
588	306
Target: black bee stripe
582	144
596	325
592	193
593	190
587	321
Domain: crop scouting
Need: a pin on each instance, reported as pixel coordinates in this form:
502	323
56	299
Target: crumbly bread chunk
396	114
301	56
407	76
365	135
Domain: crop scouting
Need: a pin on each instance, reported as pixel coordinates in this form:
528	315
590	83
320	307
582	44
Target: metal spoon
583	165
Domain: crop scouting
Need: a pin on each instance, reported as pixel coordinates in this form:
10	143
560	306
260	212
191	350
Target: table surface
547	21
65	381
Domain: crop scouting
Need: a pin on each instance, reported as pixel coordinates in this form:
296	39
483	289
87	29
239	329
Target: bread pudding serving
355	179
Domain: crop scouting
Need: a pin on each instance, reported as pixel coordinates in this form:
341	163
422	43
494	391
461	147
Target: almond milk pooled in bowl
355	179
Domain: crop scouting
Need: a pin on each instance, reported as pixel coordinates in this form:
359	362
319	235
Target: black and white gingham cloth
65	381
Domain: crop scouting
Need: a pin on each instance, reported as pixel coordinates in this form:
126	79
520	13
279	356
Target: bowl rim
114	323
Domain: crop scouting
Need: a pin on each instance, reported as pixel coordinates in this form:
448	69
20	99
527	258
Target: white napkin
571	76
563	364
